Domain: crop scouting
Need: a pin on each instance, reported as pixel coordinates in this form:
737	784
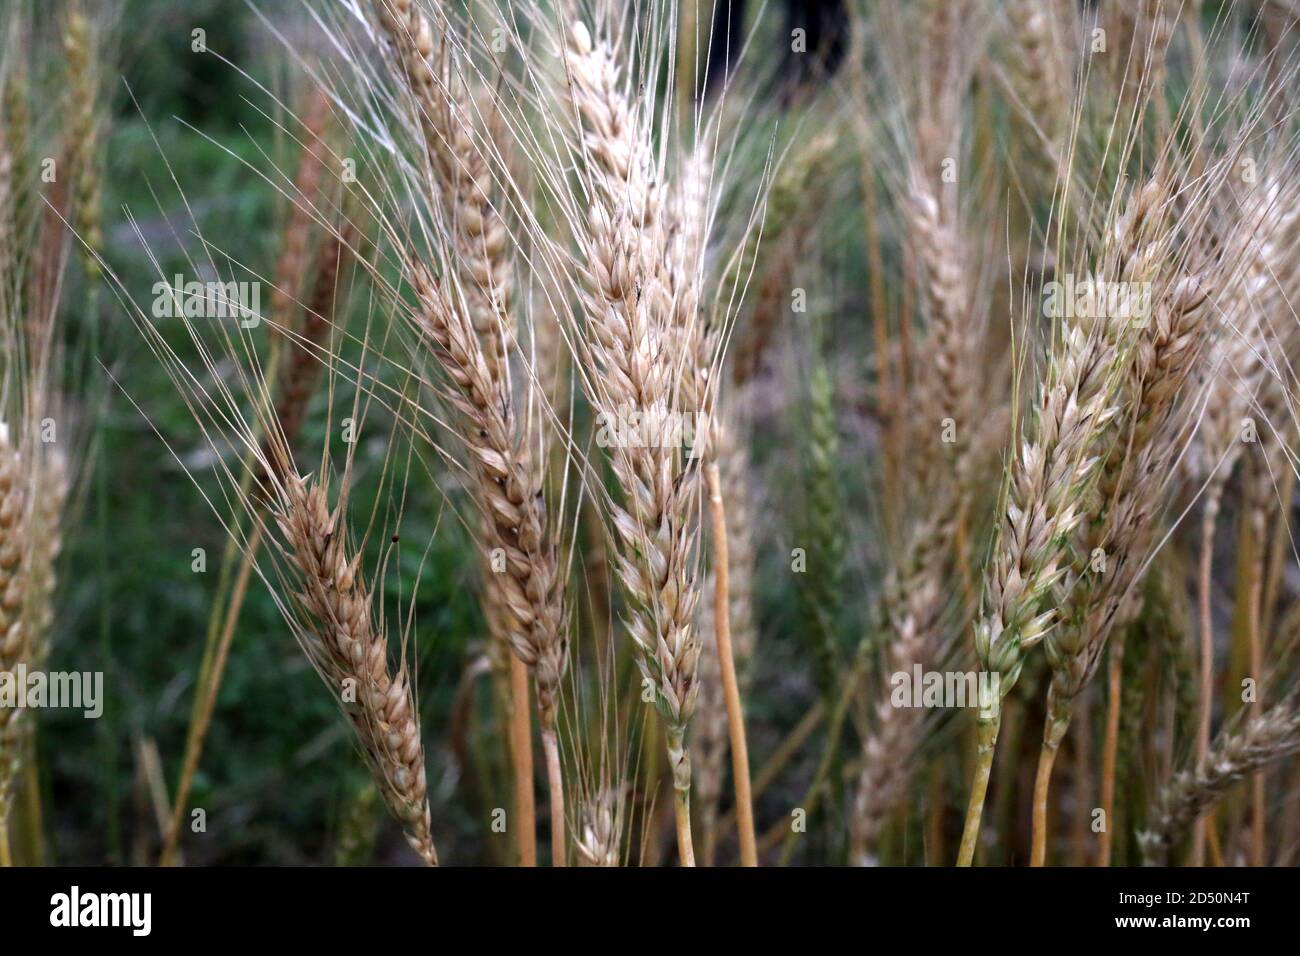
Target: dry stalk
711	722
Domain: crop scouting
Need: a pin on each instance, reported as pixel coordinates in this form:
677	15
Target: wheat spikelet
1039	67
1163	357
49	498
1049	478
471	331
951	340
348	650
297	378
1239	356
786	217
1141	34
599	834
1263	740
821	596
1050	493
294	261
1047	500
17	210
357	832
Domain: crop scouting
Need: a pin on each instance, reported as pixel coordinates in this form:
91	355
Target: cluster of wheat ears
1023	272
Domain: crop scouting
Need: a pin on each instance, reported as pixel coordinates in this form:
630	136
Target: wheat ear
913	604
1263	740
472	341
1049	480
599	834
1268	230
351	652
79	45
632	339
1165	346
458	159
15	644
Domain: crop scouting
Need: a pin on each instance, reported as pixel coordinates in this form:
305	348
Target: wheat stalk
710	740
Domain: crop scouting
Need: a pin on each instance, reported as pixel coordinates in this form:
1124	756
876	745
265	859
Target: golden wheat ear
351	652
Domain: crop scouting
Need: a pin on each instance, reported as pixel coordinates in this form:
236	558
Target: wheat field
669	433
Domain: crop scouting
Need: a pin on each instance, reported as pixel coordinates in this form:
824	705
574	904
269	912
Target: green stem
987	743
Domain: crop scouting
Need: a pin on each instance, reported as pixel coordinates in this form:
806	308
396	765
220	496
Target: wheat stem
682	819
735	714
1110	748
1204	578
987	741
521	756
210	688
1042	784
555	779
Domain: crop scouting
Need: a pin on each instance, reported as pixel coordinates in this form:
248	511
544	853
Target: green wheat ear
821	593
